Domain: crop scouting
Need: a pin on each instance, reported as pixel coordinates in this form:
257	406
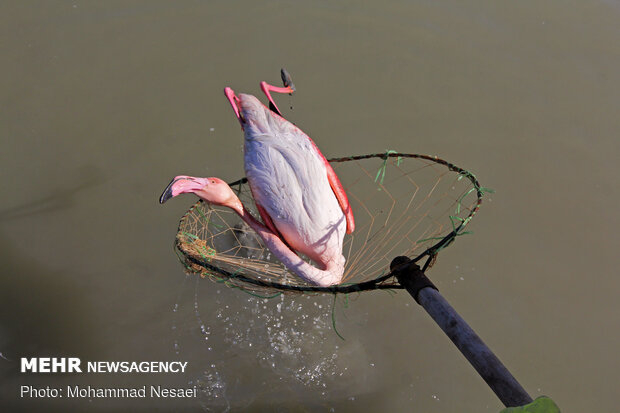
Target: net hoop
200	262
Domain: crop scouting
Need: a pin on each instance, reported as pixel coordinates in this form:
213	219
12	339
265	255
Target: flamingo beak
234	102
182	184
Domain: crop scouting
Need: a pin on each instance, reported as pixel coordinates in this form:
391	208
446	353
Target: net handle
479	355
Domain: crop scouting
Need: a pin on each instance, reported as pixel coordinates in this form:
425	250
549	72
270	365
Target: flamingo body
289	180
303	205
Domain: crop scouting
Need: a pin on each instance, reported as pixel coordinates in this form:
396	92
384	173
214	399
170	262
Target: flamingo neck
331	275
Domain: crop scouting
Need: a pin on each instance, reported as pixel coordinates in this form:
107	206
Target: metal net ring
404	204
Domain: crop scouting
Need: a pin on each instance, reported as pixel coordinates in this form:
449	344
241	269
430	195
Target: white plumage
289	180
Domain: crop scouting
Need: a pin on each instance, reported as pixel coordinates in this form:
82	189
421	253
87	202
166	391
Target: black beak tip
167	194
164	197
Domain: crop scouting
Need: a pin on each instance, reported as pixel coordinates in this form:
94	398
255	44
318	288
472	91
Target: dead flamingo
298	194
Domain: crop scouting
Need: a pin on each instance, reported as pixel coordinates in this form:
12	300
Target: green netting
404	204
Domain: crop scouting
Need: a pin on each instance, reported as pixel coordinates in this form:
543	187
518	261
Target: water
103	102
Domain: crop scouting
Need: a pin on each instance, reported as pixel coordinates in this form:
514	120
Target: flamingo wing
334	183
341	196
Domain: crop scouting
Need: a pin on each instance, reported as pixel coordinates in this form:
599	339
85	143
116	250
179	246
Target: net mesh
404	205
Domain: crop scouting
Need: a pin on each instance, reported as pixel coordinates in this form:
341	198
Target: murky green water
103	102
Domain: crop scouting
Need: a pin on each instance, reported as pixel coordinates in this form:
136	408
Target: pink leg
267	88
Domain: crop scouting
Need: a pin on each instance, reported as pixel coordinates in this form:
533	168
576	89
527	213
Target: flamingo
297	193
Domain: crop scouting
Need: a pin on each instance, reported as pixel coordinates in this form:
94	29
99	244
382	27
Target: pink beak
234	102
182	184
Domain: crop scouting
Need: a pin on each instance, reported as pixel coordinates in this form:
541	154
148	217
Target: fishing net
404	205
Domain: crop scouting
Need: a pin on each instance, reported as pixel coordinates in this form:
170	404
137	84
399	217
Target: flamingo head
253	116
212	190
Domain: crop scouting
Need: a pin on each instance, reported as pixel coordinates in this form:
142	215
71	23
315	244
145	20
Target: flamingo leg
267	88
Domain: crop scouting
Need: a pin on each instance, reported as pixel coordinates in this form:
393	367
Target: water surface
103	102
